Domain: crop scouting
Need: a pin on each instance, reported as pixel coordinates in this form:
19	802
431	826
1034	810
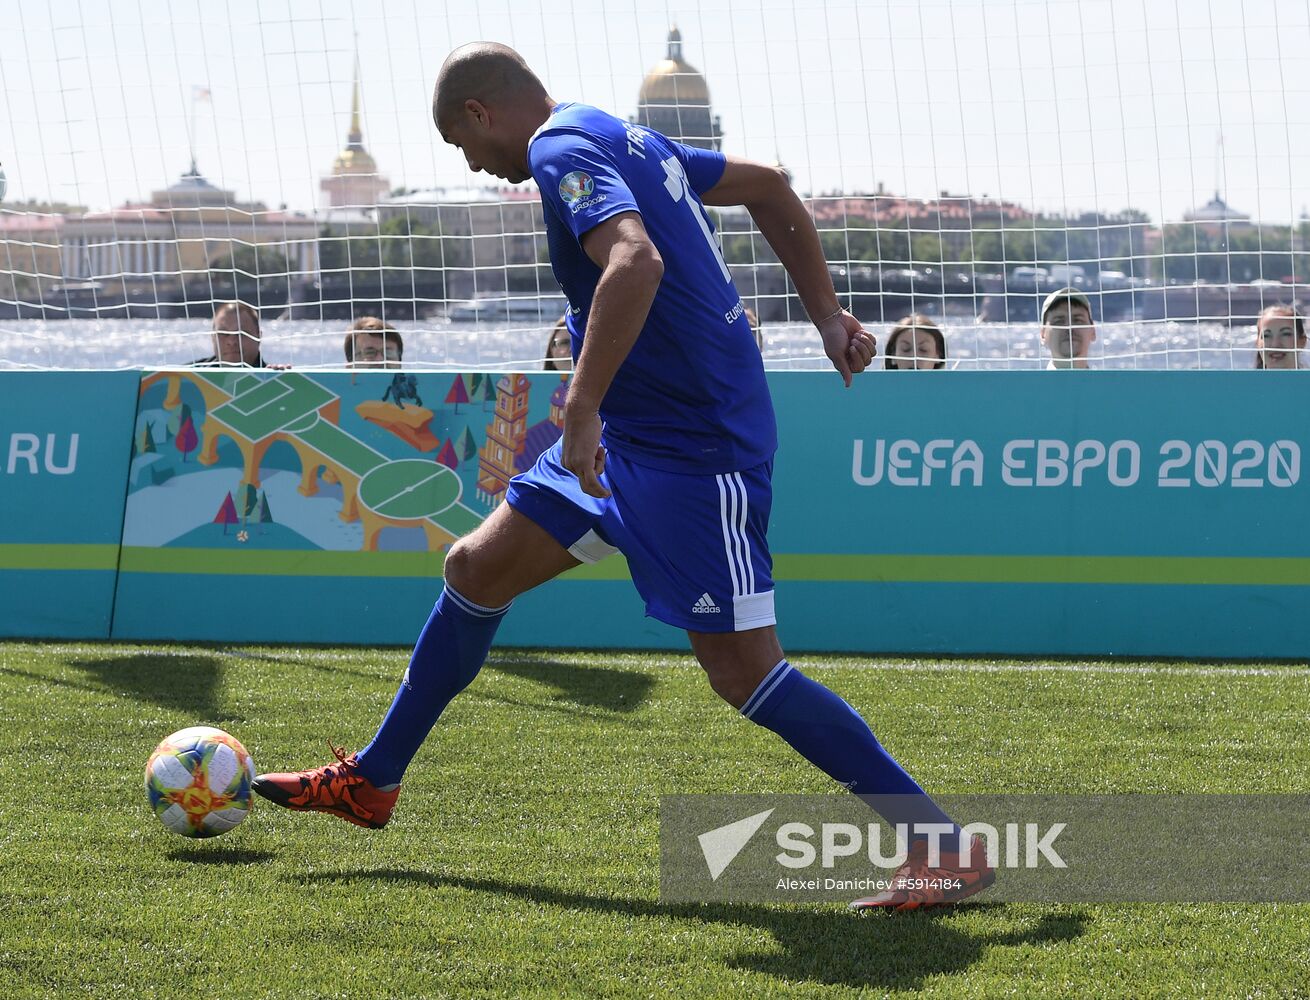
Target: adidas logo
705	606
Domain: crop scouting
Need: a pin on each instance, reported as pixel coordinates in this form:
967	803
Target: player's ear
478	112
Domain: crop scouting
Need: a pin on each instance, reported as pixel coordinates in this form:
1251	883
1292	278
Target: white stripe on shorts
727	534
745	544
732	508
738	512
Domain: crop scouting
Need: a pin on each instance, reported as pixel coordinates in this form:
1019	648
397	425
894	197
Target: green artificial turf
523	856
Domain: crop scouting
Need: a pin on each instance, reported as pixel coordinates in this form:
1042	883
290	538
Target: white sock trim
766	687
476	610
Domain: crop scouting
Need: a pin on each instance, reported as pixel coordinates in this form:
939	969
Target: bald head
492	74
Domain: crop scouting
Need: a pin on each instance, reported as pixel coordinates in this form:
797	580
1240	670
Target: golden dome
354	159
673	80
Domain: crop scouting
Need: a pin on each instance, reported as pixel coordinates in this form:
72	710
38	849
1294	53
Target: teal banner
65	443
292	507
1061	513
1080	513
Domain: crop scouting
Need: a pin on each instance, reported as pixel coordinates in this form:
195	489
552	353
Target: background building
354	181
181	237
675	100
29	254
487	240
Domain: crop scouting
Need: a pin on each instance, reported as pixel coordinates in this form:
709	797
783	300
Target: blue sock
826	731
448	655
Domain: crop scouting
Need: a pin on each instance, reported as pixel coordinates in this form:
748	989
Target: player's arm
782	220
631	270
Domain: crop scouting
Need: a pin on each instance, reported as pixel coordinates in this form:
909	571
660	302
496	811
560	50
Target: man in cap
1067	328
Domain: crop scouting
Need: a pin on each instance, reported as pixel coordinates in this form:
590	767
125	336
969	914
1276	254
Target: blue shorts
696	544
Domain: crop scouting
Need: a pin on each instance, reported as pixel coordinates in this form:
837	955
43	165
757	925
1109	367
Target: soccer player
667	448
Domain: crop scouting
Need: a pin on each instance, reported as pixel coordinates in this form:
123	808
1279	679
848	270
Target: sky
1060	105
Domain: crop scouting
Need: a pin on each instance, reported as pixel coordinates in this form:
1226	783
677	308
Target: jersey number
675	182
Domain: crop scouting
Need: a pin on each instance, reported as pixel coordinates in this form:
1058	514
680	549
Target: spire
354	181
355	137
675	44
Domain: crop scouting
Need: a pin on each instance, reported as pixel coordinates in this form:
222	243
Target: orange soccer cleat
915	886
337	788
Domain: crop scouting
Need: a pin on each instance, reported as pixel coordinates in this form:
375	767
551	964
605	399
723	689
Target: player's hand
581	452
849	347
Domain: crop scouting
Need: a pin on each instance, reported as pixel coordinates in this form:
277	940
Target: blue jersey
691	396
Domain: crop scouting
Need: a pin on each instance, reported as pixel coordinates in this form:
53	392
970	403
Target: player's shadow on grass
187	684
832	947
587	687
308	661
32	675
212	855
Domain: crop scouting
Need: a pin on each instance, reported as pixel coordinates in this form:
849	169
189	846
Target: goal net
962	159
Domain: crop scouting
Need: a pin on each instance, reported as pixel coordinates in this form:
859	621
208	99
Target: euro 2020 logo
575	186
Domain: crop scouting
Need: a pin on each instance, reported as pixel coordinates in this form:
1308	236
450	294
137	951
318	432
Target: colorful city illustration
336	461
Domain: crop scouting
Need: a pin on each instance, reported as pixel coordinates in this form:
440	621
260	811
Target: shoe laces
333	778
339	753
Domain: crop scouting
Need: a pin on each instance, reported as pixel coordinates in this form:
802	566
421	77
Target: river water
444	345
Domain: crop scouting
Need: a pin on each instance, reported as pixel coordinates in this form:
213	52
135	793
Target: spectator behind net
371	343
1279	337
236	338
1067	328
559	349
916	342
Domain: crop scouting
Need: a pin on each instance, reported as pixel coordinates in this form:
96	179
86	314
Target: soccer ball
198	782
